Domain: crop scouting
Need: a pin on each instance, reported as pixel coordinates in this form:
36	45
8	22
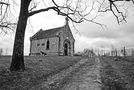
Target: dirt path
84	75
87	78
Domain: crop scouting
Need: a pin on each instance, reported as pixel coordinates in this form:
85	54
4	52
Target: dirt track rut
87	78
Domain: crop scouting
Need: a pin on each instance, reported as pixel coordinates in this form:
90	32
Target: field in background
37	69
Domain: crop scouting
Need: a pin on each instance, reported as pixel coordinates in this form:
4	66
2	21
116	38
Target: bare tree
88	52
132	50
123	51
70	9
116	52
75	10
119	8
1	51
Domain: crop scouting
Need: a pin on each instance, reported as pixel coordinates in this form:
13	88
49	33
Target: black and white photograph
66	44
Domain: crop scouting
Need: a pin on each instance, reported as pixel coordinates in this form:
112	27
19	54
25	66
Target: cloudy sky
87	35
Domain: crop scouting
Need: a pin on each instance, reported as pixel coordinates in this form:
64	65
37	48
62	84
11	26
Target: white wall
52	49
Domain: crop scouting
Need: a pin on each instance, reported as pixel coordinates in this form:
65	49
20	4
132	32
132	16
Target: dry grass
117	73
37	69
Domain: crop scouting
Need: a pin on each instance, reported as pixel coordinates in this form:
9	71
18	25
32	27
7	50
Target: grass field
118	73
37	69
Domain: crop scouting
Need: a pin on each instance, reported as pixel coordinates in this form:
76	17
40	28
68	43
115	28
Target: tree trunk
17	63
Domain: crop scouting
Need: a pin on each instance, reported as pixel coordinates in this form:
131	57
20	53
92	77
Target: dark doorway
66	49
48	44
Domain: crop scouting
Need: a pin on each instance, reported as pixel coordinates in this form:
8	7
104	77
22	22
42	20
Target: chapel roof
41	34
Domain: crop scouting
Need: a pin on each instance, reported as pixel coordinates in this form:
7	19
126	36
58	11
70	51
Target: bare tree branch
114	7
73	10
5	23
5	3
41	10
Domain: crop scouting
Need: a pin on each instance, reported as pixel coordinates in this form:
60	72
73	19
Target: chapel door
67	48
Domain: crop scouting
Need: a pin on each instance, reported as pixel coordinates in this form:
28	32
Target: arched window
43	44
48	45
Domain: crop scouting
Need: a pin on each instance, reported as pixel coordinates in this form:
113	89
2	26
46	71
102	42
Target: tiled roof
41	34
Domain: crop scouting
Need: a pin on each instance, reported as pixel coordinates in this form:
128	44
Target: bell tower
66	21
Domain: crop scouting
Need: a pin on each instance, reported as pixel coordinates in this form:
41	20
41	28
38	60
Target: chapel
56	41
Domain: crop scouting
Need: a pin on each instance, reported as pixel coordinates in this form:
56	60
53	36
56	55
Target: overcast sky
89	35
